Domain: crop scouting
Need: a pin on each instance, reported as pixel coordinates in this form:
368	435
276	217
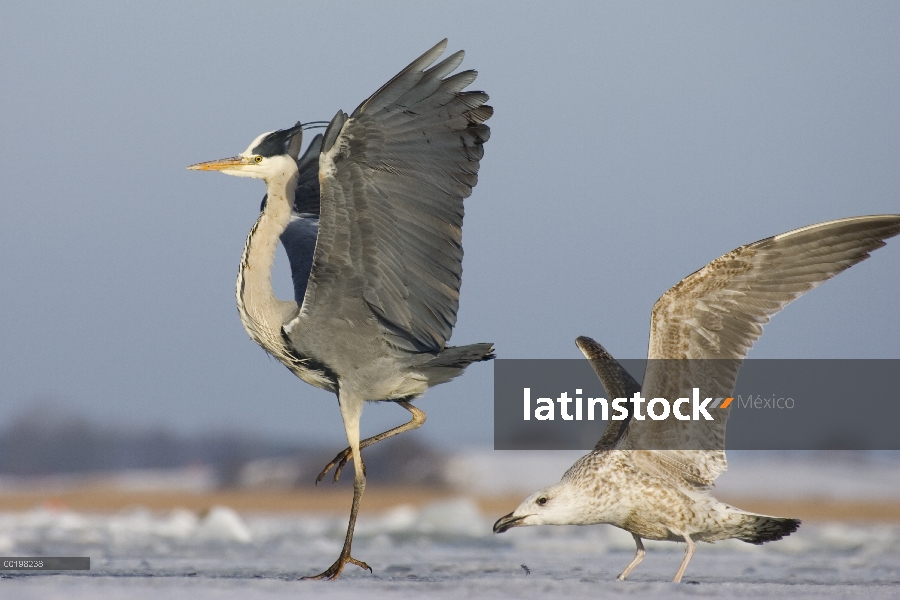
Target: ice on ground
459	517
458	522
444	550
223	525
819	561
447	550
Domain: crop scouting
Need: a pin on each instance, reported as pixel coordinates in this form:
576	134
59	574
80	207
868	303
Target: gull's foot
340	460
332	572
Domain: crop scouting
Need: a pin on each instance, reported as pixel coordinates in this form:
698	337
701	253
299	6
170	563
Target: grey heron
716	313
371	217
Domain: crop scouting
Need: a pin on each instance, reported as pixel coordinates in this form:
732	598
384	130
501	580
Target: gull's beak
235	162
504	523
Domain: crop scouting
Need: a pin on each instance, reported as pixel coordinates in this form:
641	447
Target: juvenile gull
715	313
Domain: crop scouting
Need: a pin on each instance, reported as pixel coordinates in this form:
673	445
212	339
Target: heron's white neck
260	311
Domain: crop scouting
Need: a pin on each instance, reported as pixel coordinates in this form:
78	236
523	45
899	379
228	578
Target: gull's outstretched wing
617	382
393	177
707	323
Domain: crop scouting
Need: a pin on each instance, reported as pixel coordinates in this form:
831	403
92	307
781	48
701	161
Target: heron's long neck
260	311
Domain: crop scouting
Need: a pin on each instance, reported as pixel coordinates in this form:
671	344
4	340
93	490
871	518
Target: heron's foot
340	460
332	572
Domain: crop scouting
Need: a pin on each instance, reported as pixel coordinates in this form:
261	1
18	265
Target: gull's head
269	156
554	505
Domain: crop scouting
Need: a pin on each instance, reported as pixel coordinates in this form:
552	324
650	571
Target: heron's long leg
638	557
418	417
351	410
687	558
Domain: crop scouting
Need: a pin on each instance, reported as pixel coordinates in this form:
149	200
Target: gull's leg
351	410
418	417
687	558
638	557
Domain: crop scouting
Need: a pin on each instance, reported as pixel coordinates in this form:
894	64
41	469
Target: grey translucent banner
775	405
45	563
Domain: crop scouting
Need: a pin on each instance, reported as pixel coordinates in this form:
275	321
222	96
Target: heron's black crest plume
277	142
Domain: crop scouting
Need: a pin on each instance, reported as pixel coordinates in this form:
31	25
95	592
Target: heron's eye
542	501
257	159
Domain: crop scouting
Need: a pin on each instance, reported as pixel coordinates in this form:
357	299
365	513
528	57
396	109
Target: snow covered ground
444	550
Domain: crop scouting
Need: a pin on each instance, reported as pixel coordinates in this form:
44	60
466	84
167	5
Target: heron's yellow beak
221	164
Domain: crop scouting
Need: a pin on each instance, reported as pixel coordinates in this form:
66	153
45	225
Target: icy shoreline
444	549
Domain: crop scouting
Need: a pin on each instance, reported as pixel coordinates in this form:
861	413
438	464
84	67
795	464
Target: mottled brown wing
617	382
707	323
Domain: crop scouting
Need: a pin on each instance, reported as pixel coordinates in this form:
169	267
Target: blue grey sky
632	143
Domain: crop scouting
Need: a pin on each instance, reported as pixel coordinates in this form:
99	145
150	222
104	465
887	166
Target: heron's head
270	155
554	505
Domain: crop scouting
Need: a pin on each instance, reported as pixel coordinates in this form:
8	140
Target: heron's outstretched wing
617	382
306	196
393	178
708	322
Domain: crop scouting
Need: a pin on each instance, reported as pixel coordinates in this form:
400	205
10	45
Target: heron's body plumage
371	218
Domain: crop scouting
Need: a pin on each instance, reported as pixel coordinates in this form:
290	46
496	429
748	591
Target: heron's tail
759	529
453	360
462	356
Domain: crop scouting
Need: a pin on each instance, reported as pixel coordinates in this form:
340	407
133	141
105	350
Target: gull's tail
759	529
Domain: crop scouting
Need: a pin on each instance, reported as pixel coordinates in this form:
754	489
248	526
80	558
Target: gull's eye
257	159
542	501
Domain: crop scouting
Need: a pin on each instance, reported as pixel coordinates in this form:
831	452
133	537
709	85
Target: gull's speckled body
610	487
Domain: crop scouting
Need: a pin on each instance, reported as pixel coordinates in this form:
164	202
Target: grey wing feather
617	382
394	175
718	313
306	196
299	241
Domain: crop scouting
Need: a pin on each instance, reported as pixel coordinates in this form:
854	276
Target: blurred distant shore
99	499
56	461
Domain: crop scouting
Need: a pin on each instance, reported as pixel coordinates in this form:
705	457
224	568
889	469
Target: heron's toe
332	572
